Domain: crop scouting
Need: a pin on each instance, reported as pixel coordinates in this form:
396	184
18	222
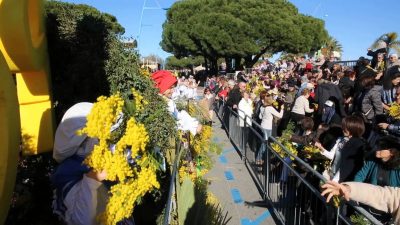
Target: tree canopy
241	29
186	62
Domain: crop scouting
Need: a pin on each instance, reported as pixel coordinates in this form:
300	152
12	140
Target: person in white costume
165	81
80	194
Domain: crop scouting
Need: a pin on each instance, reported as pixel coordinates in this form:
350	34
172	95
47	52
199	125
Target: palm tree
391	42
332	45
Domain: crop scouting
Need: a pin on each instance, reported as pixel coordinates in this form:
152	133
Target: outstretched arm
383	198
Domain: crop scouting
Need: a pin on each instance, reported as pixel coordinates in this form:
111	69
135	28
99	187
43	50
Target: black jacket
329	91
234	97
352	158
374	55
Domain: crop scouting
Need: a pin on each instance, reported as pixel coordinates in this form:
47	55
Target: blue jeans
285	170
261	151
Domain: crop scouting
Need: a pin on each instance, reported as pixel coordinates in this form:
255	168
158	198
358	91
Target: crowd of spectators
341	110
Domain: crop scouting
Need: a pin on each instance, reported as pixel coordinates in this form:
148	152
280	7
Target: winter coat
385	199
370	102
352	158
368	174
329	91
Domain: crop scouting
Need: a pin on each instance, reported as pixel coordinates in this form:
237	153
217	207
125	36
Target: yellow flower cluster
257	90
191	109
101	158
145	72
202	141
211	199
200	146
135	137
124	195
102	116
394	110
140	102
188	169
289	146
310	151
133	182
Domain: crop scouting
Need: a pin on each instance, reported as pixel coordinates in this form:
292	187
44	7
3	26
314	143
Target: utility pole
141	25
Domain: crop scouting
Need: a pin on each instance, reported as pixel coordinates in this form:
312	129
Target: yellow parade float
25	103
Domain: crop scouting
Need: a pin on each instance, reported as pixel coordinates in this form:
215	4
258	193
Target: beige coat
386	199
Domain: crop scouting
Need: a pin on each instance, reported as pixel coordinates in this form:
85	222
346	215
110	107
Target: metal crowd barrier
172	188
290	186
350	63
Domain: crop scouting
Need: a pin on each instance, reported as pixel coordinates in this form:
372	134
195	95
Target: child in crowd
348	151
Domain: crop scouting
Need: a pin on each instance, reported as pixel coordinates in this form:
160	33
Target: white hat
66	141
329	103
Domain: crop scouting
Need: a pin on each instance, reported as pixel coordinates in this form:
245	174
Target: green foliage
359	220
332	45
78	37
193	207
185	194
289	131
216	148
174	63
89	58
123	74
239	29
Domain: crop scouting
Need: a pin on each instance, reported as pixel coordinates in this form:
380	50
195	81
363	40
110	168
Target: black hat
389	142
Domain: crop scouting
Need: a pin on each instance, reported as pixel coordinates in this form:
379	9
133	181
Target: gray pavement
233	186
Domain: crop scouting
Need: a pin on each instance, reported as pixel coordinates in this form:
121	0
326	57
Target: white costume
185	121
86	197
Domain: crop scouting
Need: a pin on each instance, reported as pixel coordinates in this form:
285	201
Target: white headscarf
67	142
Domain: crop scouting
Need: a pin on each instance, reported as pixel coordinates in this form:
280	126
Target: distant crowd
347	112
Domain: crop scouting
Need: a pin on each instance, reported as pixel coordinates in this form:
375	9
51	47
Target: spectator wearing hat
328	91
380	49
383	171
165	81
79	194
329	114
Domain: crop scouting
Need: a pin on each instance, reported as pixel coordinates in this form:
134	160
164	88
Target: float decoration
126	159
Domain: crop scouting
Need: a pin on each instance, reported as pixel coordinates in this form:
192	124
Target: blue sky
354	23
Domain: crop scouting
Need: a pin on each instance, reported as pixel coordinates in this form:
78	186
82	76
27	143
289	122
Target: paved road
232	184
